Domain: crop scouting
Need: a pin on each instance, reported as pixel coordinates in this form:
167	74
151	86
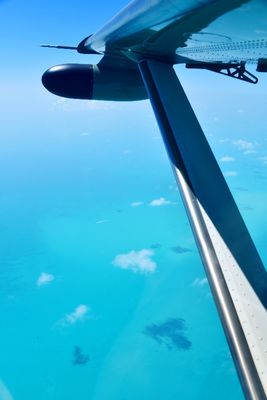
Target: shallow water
97	254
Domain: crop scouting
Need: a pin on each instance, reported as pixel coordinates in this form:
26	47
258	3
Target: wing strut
236	275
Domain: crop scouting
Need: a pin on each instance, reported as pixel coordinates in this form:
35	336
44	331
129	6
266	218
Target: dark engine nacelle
96	82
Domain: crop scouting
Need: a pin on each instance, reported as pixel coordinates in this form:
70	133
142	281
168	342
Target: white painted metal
251	313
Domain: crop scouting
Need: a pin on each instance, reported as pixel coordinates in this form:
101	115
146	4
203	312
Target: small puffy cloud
159	202
44	279
260	32
78	314
200	282
125	152
101	221
4	392
263	159
73	105
136	203
231	173
226	159
136	261
245	146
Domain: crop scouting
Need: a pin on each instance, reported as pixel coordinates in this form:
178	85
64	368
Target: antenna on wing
55	46
81	48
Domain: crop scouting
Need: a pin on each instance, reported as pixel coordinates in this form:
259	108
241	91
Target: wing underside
208	31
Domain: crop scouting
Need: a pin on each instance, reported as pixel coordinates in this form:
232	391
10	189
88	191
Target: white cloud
250	152
227	159
200	282
136	261
260	31
125	152
44	279
231	173
136	203
4	392
72	105
101	221
78	314
263	159
61	100
159	202
245	146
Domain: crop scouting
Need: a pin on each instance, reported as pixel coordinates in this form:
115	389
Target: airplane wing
208	31
140	45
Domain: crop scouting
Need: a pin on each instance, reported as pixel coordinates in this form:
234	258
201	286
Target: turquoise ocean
102	292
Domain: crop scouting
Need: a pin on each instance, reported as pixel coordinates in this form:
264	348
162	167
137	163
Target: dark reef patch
248	208
155	246
180	250
171	333
240	188
78	357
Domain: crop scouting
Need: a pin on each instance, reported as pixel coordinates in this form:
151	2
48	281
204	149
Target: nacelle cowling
86	81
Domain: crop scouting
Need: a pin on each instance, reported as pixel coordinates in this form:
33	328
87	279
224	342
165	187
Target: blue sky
73	170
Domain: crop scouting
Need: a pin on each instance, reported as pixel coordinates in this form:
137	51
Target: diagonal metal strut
226	248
